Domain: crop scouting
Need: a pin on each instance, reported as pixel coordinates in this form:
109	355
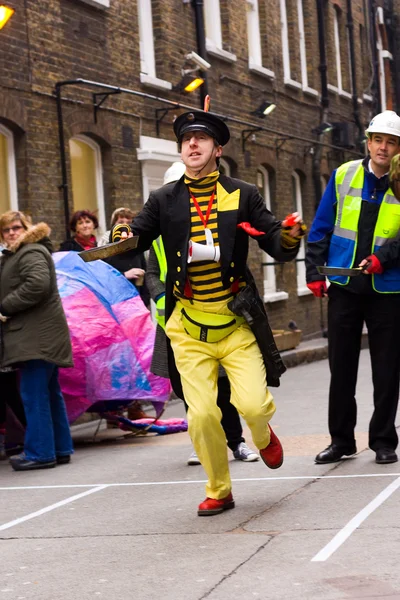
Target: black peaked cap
202	121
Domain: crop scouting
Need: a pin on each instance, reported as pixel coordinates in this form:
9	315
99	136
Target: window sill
154	82
336	90
303	291
310	91
260	70
220	53
275	296
292	83
98	3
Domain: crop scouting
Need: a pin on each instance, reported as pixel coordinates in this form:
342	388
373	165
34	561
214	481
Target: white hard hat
386	122
174	172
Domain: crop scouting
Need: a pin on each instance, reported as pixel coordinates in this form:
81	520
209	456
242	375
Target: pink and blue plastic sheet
112	337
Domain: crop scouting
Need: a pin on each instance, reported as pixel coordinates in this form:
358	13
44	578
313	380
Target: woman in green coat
35	337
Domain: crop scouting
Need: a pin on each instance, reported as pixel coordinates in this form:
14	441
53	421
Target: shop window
87	178
8	176
271	293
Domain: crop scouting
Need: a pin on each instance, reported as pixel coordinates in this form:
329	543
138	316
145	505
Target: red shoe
272	455
211	507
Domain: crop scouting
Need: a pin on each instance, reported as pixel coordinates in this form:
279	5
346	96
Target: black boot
334	453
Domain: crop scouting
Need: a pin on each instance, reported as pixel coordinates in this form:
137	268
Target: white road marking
190	481
47	509
355	522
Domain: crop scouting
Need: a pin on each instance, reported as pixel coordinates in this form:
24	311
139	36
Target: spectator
36	337
130	264
120	215
82	224
11	399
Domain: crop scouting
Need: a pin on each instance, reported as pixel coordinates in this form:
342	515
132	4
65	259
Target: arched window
87	177
271	294
302	289
224	167
8	174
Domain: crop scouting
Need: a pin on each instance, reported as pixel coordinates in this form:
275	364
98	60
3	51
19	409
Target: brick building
260	51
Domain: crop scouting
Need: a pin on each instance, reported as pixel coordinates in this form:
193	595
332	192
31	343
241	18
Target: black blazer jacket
167	213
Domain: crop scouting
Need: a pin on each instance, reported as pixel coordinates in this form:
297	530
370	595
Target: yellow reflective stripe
158	246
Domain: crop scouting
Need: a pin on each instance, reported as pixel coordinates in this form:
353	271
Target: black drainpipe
356	110
375	64
201	44
323	69
63	160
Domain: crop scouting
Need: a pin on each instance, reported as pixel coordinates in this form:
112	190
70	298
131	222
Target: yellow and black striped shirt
205	276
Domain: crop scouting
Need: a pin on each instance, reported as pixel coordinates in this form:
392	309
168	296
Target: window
340	53
87	178
294	54
384	58
254	40
271	294
212	18
8	175
146	43
302	289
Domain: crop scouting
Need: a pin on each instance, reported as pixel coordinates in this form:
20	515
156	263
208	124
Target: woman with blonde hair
35	338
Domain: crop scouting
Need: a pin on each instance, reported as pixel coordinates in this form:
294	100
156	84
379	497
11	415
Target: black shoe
21	463
334	453
384	456
63	460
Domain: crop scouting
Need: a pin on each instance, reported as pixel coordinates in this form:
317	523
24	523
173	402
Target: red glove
373	265
249	229
318	288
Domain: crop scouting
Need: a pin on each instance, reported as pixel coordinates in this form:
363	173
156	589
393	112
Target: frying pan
340	271
109	249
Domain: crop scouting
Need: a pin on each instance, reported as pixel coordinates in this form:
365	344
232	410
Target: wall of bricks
58	40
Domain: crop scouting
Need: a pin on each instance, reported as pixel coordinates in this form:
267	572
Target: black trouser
347	313
230	417
9	395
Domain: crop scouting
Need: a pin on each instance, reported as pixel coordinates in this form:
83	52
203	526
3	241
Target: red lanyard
209	207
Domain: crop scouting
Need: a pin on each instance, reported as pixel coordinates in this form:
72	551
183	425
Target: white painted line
190	481
355	522
42	511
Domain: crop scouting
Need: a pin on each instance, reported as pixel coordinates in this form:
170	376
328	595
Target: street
120	521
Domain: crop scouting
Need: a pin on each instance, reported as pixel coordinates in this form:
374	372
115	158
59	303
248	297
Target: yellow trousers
197	363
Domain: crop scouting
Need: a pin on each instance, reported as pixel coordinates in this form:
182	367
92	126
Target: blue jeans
47	430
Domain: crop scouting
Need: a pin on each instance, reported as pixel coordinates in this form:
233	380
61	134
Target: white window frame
338	89
99	180
302	289
254	40
11	166
270	292
382	54
146	42
98	3
212	19
287	78
155	156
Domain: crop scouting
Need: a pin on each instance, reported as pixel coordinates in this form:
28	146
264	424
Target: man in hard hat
357	225
210	215
156	275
